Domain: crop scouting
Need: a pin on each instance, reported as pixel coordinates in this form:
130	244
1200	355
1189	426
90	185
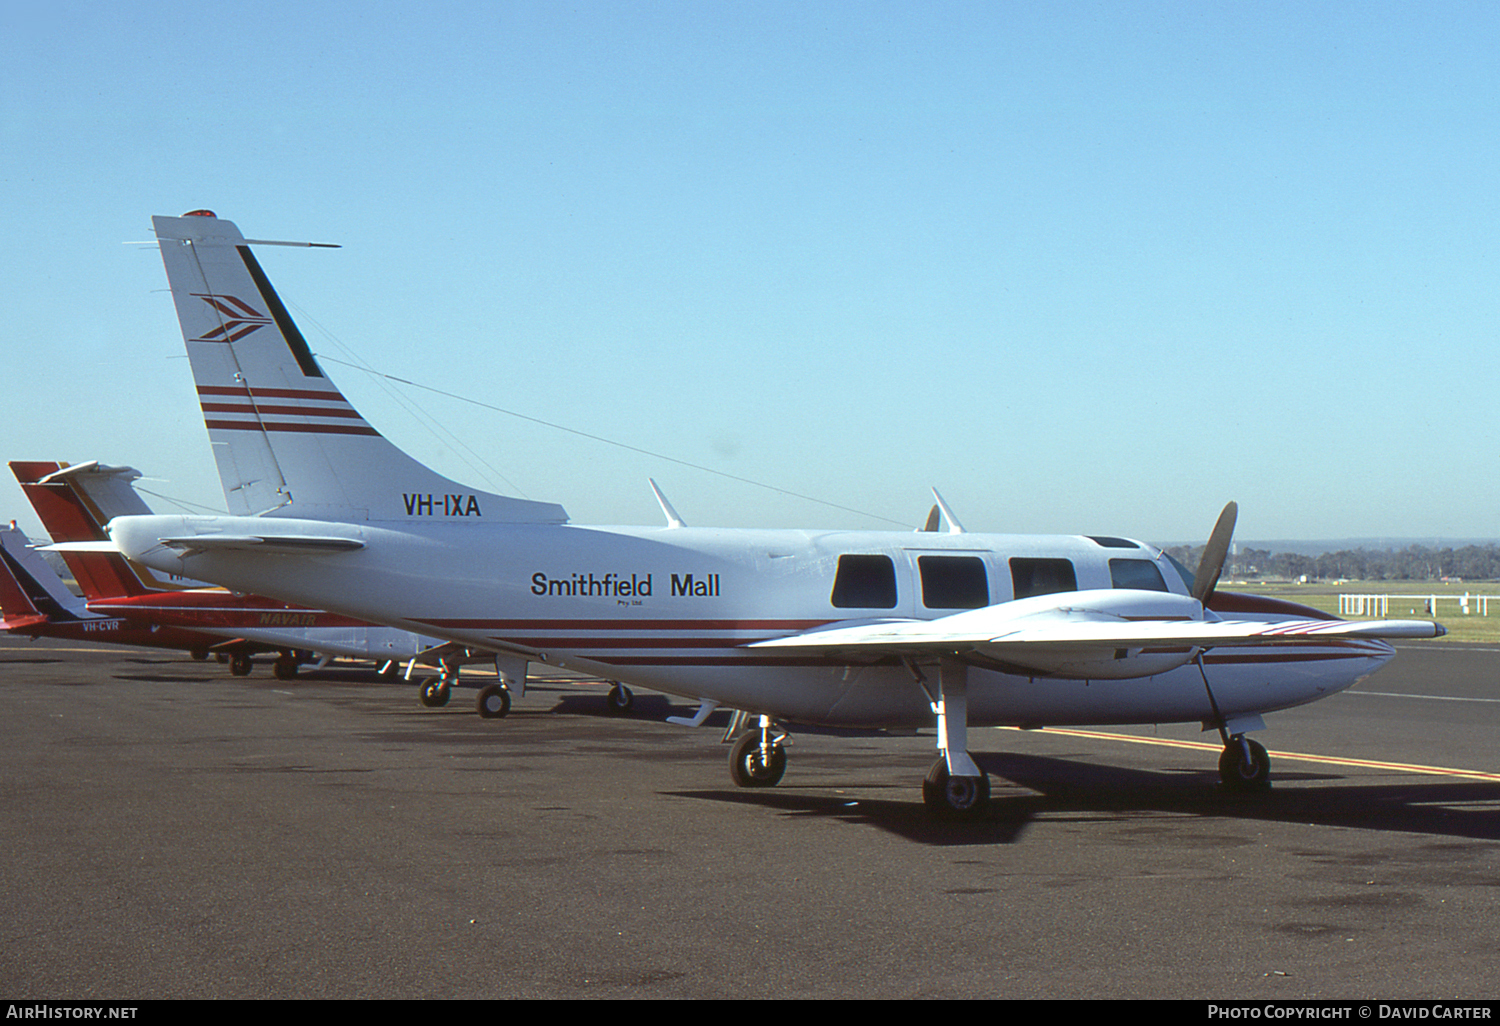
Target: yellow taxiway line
1399	767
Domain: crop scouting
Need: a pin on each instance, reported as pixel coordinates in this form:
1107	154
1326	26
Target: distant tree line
1413	563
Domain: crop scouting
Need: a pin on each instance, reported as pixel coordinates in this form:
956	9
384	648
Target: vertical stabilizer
286	441
31	593
74	503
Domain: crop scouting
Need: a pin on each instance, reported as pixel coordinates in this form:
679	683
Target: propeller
1214	554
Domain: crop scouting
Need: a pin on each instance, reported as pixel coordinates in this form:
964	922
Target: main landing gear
435	691
620	699
493	702
947	795
286	666
758	757
494	699
955	788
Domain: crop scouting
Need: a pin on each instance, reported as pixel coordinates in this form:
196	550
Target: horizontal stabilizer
285	543
20	623
268	543
81	546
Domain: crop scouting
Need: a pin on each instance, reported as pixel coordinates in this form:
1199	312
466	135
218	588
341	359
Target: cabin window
1141	574
865	582
1041	576
953	582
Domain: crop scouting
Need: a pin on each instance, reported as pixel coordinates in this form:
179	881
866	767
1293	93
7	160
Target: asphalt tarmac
170	831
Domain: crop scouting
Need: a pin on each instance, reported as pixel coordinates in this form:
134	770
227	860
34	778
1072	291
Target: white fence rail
1422	605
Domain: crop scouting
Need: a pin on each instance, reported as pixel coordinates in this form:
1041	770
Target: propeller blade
1214	554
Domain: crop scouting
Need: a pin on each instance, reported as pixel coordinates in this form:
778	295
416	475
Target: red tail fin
68	515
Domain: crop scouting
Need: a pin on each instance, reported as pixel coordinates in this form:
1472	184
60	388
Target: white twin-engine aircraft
837	628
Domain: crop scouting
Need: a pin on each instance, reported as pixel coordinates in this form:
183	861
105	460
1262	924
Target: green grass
1449	613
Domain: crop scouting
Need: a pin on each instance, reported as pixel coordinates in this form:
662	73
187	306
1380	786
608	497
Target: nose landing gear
1245	766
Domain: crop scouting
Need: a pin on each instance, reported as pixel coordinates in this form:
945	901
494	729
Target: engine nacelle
1080	659
1071	663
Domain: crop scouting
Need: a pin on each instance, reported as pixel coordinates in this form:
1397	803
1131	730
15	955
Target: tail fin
31	593
286	440
74	503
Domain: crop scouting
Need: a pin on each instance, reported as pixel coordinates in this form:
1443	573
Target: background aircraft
74	502
841	628
36	603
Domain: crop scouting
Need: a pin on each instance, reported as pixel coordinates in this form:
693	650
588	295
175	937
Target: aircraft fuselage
672	608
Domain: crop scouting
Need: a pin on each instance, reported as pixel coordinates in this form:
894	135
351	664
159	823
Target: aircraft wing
1115	633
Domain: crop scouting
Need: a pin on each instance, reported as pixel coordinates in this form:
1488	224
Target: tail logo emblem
237	318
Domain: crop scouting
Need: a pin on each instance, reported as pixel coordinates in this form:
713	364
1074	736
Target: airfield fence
1379	605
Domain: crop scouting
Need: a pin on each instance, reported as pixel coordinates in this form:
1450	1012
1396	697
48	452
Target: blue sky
1084	267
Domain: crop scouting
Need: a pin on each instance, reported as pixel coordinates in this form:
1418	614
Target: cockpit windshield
1187	575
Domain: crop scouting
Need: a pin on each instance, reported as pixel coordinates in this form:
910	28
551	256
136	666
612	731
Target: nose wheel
1245	766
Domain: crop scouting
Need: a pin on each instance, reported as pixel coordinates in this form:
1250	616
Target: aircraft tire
749	767
240	665
955	797
1238	775
435	693
285	669
494	702
619	701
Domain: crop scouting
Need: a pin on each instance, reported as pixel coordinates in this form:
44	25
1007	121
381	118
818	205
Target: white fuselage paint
671	608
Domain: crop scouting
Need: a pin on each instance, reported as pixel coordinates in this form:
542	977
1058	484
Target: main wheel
619	700
749	766
240	664
285	669
957	797
494	702
1241	773
435	693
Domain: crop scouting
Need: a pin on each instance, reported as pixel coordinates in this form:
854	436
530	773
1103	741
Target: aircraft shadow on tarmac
1026	787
